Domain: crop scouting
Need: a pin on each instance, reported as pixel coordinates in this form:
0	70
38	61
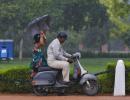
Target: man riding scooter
59	59
50	80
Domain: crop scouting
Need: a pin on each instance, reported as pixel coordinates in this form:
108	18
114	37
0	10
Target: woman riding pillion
37	53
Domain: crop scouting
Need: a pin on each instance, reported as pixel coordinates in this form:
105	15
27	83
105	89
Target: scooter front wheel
40	91
91	87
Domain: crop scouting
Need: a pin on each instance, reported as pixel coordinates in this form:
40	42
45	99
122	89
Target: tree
118	11
75	16
82	15
16	14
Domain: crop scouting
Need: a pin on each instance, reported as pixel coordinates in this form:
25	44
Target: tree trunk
104	48
21	49
81	46
126	49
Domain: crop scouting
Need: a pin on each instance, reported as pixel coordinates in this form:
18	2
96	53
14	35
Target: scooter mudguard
45	78
87	77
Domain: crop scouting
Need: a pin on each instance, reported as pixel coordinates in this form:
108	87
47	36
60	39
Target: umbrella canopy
36	25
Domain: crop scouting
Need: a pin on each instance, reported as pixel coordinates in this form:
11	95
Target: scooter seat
40	69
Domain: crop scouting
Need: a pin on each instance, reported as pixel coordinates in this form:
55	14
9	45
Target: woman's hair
36	38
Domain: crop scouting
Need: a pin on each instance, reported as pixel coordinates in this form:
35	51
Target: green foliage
71	15
118	11
96	36
15	80
72	43
126	38
89	18
107	80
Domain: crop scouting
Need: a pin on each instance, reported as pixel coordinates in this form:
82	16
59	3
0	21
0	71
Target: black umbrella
36	25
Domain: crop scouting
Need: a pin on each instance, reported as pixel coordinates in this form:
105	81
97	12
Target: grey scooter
47	80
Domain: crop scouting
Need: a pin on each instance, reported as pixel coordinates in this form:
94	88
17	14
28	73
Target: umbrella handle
44	34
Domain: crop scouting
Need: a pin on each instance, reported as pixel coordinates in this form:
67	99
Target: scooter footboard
45	78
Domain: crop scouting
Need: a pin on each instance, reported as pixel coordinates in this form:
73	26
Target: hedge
107	80
15	80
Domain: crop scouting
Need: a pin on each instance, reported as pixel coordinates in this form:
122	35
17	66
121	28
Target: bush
107	80
15	80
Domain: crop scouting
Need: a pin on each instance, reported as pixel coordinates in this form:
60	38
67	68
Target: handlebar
76	55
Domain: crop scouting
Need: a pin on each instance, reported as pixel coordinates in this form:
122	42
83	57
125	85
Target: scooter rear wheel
91	87
40	91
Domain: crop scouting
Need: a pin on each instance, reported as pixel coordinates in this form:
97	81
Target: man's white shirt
55	51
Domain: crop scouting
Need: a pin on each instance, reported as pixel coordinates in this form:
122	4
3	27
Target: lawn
93	65
15	63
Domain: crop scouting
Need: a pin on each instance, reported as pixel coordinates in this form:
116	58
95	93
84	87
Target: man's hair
62	35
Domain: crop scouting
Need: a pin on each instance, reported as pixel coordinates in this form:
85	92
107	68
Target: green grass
93	65
15	63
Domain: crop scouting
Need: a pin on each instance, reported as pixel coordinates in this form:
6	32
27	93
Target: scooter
47	80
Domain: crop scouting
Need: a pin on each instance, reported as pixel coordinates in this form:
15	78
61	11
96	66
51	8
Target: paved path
32	97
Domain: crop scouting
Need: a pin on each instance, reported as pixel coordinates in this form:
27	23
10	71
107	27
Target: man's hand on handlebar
76	55
70	60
